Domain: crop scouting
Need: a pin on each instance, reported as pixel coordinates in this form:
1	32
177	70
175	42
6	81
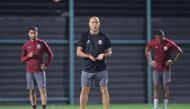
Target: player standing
161	63
32	53
93	47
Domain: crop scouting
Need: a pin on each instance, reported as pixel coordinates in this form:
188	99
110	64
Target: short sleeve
108	42
173	45
150	44
81	41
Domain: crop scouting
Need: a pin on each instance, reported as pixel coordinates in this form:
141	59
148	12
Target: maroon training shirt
38	47
162	52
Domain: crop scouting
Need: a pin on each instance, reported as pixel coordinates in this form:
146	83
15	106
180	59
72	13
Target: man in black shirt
93	47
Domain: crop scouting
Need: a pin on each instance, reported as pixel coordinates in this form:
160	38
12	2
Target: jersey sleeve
150	44
108	42
49	53
81	41
24	56
174	46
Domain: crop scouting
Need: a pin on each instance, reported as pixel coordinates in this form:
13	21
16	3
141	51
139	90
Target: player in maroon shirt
32	53
161	63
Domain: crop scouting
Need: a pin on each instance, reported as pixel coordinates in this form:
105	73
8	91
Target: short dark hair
32	28
160	32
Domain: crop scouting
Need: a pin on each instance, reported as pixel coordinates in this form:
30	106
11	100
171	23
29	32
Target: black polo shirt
94	45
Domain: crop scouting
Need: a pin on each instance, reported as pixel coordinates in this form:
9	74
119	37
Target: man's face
94	24
160	38
33	34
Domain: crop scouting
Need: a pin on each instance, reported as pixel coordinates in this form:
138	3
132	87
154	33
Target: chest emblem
156	47
100	42
165	48
29	47
38	46
88	41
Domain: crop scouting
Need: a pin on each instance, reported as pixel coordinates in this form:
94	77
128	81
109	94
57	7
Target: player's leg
86	82
31	87
102	80
43	96
32	94
156	85
105	97
166	81
40	78
84	97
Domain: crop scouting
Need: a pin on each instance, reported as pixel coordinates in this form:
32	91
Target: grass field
122	106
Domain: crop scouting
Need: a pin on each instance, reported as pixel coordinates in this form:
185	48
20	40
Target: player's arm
107	53
148	53
49	53
179	53
24	56
108	49
82	54
149	56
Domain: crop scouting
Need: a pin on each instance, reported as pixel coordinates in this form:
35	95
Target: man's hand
100	57
91	57
169	62
31	54
43	67
153	64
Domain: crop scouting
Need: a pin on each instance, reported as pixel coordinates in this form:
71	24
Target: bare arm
82	54
107	53
149	57
148	54
179	53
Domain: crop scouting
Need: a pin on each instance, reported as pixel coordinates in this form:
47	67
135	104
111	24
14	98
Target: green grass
122	106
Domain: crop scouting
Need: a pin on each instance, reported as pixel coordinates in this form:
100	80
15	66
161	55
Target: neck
33	39
94	32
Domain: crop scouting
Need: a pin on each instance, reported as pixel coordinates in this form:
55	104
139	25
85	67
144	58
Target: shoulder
104	35
42	41
153	41
26	44
84	35
170	41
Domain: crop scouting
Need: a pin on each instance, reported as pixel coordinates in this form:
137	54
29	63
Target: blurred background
130	24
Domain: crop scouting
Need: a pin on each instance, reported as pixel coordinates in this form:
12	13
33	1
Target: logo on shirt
100	42
38	46
156	46
165	48
88	41
29	47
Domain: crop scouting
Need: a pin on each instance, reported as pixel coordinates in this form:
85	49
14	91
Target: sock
34	106
44	106
165	103
156	103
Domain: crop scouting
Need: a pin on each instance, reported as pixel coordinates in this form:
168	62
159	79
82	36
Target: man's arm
179	53
107	53
24	56
148	54
149	57
49	53
82	54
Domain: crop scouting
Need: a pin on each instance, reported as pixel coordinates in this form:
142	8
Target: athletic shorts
35	79
161	77
94	79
